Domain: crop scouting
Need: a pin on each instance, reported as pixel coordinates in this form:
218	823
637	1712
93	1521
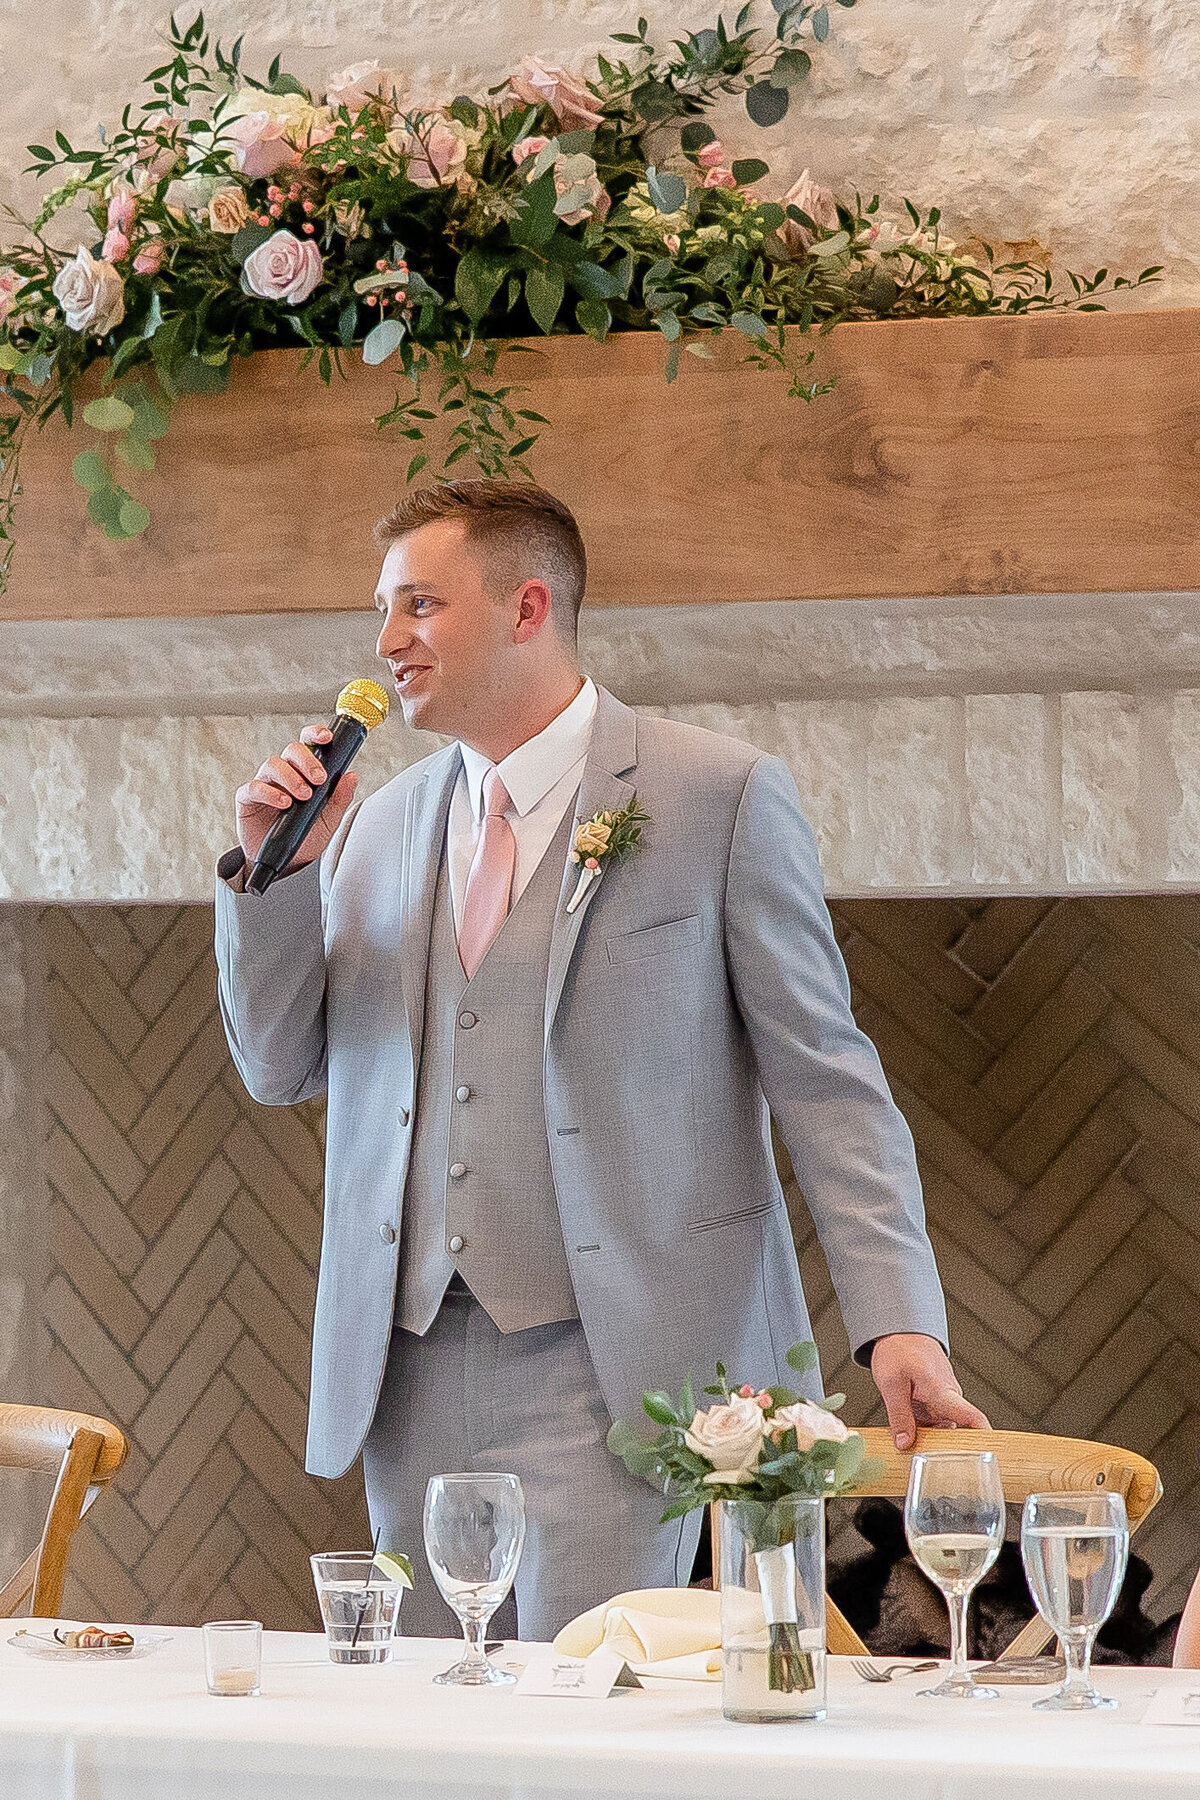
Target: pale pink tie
489	883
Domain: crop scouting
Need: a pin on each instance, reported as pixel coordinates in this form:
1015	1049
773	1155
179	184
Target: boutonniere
605	837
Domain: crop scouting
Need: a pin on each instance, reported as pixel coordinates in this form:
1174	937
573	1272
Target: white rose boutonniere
605	837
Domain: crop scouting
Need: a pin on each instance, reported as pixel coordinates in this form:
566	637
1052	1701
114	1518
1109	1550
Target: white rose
436	148
284	268
812	1424
361	83
91	294
546	84
729	1437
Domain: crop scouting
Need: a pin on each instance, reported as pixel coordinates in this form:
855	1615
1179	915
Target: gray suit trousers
469	1397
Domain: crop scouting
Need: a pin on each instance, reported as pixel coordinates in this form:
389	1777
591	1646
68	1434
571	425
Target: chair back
1029	1464
85	1453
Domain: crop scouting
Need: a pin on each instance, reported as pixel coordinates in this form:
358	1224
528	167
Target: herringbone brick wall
1046	1053
185	1224
1047	1056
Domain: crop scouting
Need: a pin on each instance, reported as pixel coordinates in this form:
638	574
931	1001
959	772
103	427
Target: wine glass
474	1531
1075	1547
954	1520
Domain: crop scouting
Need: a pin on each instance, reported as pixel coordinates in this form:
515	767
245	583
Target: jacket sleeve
270	951
849	1143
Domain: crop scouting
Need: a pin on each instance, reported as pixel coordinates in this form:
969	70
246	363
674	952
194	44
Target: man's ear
533	609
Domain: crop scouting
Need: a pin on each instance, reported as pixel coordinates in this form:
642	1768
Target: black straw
362	1611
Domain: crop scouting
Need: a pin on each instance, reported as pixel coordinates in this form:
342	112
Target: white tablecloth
146	1730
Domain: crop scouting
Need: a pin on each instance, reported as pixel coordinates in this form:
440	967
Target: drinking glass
954	1519
474	1531
233	1655
359	1604
1075	1547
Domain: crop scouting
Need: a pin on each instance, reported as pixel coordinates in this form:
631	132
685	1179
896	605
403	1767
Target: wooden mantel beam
976	456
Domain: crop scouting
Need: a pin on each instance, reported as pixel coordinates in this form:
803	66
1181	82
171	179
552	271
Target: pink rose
545	84
10	283
122	207
720	178
710	156
528	147
436	149
671	242
284	268
116	245
160	149
814	200
149	258
259	143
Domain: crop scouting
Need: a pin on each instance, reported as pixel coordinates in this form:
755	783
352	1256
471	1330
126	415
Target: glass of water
954	1520
1075	1547
474	1532
359	1605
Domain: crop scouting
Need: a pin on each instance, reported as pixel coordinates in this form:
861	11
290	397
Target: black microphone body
292	826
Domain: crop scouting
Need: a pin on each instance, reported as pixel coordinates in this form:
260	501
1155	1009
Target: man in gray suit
549	1179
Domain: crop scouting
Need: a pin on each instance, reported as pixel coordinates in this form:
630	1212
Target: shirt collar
537	765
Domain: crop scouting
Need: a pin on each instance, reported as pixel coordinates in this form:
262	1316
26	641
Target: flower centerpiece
229	212
772	1458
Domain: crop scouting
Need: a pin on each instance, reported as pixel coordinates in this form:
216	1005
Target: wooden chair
1029	1464
86	1453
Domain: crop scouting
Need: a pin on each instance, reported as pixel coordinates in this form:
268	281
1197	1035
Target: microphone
361	706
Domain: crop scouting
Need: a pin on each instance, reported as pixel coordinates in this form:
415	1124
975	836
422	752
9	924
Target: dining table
147	1729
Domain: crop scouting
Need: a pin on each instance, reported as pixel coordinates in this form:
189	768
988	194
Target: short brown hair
522	532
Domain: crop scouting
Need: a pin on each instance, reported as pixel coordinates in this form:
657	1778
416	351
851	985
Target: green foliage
588	235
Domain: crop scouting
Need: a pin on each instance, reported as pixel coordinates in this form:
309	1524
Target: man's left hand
919	1387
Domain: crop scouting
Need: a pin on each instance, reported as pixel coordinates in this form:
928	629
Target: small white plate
44	1644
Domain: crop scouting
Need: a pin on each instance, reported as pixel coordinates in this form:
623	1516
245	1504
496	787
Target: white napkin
673	1633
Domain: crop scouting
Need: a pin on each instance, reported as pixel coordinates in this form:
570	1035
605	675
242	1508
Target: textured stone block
914	768
1008	793
1183	822
1101	777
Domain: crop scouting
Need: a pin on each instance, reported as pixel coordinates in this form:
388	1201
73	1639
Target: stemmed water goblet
474	1531
954	1520
1075	1547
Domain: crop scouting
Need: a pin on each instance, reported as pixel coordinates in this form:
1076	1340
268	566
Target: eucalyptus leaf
247	239
132	517
594	317
803	1357
90	471
749	324
766	105
696	134
668	191
135	451
382	341
108	414
594	281
790	68
544	287
748	169
830	246
476	281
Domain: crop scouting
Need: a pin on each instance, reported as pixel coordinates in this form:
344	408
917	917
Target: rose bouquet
229	212
756	1447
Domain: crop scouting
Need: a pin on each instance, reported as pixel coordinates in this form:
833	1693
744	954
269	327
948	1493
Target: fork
869	1672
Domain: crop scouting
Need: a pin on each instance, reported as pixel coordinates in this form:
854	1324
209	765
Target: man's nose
393	638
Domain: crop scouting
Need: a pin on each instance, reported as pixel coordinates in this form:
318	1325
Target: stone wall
1075	125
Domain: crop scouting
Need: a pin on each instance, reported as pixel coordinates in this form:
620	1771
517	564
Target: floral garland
229	213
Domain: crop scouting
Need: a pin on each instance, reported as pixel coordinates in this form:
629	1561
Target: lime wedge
395	1566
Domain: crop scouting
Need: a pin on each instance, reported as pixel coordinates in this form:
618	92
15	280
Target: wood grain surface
971	456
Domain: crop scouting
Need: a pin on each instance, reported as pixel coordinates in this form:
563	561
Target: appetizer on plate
95	1637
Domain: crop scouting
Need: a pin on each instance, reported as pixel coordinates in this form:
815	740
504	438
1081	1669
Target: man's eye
420	604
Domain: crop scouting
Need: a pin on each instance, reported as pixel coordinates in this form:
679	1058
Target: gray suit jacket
697	985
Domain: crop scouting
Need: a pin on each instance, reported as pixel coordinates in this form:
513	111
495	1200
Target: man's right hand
280	782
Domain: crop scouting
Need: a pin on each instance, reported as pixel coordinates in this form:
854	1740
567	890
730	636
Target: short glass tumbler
359	1605
1075	1547
233	1656
773	1609
474	1533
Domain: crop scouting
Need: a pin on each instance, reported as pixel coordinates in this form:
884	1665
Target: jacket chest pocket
655	941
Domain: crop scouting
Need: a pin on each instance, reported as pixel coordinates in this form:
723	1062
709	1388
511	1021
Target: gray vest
480	1200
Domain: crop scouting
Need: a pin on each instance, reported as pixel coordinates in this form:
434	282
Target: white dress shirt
542	777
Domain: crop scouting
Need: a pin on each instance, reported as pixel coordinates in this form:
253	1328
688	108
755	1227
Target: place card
592	1677
1173	1706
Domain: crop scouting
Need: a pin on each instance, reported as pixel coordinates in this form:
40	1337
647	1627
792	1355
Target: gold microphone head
365	701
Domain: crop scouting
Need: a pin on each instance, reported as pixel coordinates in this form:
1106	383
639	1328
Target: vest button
457	1171
387	1233
462	1093
467	1019
456	1244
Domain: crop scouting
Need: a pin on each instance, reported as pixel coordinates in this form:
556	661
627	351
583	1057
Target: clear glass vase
773	1608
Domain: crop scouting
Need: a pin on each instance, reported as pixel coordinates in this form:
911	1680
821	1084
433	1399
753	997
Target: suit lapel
424	836
611	755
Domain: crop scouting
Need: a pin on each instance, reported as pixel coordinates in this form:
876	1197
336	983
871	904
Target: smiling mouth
408	674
